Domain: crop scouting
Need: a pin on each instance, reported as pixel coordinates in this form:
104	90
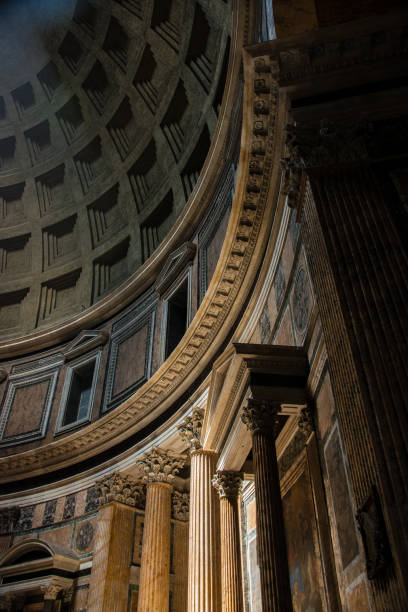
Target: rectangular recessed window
177	306
78	393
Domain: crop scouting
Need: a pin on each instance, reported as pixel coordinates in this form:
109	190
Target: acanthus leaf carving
120	488
190	429
160	465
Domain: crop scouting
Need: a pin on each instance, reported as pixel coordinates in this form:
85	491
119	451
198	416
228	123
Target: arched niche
35	574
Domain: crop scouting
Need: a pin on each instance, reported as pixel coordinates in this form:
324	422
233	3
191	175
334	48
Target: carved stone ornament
227	483
120	488
261	415
52	591
190	429
160	465
371	524
8	519
305	422
180	504
328	143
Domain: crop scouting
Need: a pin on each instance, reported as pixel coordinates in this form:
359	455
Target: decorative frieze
8	519
121	488
160	465
180	505
190	429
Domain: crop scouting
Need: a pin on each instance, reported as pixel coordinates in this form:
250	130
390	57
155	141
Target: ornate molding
247	232
261	415
160	465
180	505
190	429
227	483
121	488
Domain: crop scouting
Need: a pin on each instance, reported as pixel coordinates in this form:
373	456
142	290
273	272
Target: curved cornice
242	253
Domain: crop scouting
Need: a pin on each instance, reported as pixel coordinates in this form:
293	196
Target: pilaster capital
190	429
8	519
261	415
328	143
52	591
120	488
180	505
305	422
160	465
227	483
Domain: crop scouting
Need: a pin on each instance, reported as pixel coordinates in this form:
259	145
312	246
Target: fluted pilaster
228	485
261	418
204	551
154	586
109	583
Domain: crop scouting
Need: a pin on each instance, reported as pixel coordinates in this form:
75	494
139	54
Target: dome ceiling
107	109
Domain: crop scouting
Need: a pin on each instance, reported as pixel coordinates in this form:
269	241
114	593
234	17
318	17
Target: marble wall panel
284	334
130	365
26	407
341	501
357	596
325	409
61	535
306	579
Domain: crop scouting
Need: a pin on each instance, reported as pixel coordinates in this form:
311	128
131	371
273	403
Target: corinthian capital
261	415
180	505
52	591
190	429
120	488
227	483
160	465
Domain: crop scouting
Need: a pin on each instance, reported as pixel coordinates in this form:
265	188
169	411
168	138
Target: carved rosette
305	422
190	429
121	488
160	465
180	505
227	483
8	519
261	415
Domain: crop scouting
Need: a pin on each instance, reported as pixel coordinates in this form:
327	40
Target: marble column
353	214
228	485
160	468
204	584
261	419
117	496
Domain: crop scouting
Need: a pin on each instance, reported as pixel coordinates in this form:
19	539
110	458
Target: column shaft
231	572
272	555
358	265
154	588
180	567
204	549
109	583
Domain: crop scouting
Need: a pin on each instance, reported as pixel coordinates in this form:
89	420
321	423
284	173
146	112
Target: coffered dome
107	110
